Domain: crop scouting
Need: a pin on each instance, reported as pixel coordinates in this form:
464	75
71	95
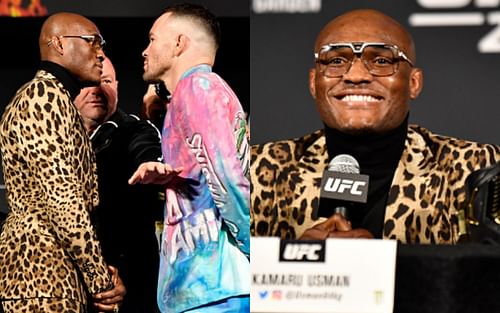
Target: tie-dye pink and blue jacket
206	242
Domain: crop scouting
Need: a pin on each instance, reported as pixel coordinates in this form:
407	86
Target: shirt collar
70	83
205	68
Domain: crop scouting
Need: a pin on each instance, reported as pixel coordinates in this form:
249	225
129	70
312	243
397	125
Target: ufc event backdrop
125	25
458	48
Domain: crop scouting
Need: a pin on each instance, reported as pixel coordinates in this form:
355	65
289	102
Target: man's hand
336	226
154	173
109	301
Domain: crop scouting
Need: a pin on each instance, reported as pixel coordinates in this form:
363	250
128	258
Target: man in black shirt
126	214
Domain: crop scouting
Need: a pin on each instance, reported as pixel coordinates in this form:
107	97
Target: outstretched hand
336	226
157	173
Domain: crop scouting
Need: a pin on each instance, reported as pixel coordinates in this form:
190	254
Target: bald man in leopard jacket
50	258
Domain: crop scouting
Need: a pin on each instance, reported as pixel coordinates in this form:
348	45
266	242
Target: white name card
336	275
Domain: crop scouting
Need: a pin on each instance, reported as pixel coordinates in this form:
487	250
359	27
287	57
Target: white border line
446	19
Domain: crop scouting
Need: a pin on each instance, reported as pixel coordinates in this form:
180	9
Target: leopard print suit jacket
427	188
48	247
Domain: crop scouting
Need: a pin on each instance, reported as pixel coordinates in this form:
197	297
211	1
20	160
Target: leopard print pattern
43	305
426	192
48	247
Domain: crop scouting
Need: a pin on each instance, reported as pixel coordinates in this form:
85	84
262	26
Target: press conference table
442	279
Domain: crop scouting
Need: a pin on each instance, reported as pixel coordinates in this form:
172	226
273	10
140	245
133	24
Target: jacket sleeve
265	186
221	128
65	174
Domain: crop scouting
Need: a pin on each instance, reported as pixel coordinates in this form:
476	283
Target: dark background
142	8
126	37
461	95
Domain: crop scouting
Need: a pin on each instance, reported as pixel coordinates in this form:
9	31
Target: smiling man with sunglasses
50	258
363	79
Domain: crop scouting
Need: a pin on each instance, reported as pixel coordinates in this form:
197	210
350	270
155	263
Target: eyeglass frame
358	48
91	39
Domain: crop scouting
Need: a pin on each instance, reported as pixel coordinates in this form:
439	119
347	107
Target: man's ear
312	82
58	45
181	44
55	43
416	82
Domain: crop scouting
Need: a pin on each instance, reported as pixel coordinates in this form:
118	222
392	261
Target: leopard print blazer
48	247
427	188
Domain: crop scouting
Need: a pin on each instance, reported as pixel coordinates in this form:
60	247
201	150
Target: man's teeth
359	98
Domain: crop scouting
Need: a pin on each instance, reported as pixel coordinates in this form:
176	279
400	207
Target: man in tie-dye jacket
205	244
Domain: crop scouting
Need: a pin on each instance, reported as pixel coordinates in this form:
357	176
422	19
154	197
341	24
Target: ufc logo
342	185
302	251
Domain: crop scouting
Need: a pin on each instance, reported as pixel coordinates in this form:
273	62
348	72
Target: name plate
336	275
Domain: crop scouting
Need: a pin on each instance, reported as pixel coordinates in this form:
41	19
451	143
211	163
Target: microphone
342	186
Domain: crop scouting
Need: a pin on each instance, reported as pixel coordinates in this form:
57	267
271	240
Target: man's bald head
367	25
61	42
60	24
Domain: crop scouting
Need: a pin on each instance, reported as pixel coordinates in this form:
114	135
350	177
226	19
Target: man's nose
96	90
357	72
100	53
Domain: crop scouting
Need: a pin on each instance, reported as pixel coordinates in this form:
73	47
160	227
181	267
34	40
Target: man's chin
150	79
359	124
